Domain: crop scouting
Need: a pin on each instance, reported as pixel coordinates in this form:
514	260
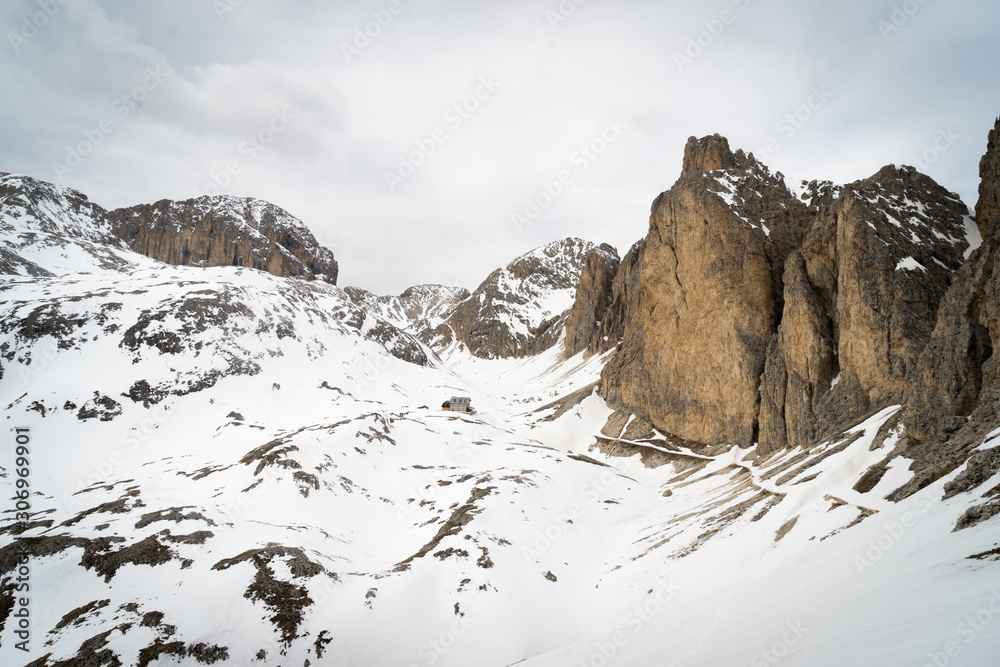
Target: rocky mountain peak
36	217
760	310
521	309
420	310
225	231
46	207
988	208
710	153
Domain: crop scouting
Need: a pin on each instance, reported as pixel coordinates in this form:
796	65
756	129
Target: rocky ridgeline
952	402
225	231
210	231
779	313
522	308
419	310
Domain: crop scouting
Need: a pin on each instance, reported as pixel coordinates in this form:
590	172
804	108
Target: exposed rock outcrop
521	309
952	401
762	315
50	229
693	351
420	310
860	301
593	298
225	231
988	207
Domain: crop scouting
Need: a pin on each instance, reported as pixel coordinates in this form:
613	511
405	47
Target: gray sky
487	104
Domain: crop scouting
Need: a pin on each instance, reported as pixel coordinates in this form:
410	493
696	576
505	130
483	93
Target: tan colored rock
693	352
593	297
624	300
860	302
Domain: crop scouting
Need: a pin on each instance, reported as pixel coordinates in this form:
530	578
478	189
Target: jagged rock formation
952	402
49	229
860	301
225	231
763	311
693	352
593	297
521	309
419	310
988	207
625	297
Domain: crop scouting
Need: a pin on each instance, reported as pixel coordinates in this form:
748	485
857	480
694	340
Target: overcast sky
409	134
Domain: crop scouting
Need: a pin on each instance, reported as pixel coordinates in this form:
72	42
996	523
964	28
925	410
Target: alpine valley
768	433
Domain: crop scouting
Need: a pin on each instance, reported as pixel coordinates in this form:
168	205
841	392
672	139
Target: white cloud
355	117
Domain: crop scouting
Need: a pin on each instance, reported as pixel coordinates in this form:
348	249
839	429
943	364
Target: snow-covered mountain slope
419	310
221	466
319	511
521	309
48	229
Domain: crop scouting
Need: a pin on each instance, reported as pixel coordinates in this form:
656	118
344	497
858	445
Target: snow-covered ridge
30	205
50	229
920	221
520	309
419	310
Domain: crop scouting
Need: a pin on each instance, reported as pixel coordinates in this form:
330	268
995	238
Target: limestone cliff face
763	312
952	402
593	297
693	353
988	207
860	301
225	231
